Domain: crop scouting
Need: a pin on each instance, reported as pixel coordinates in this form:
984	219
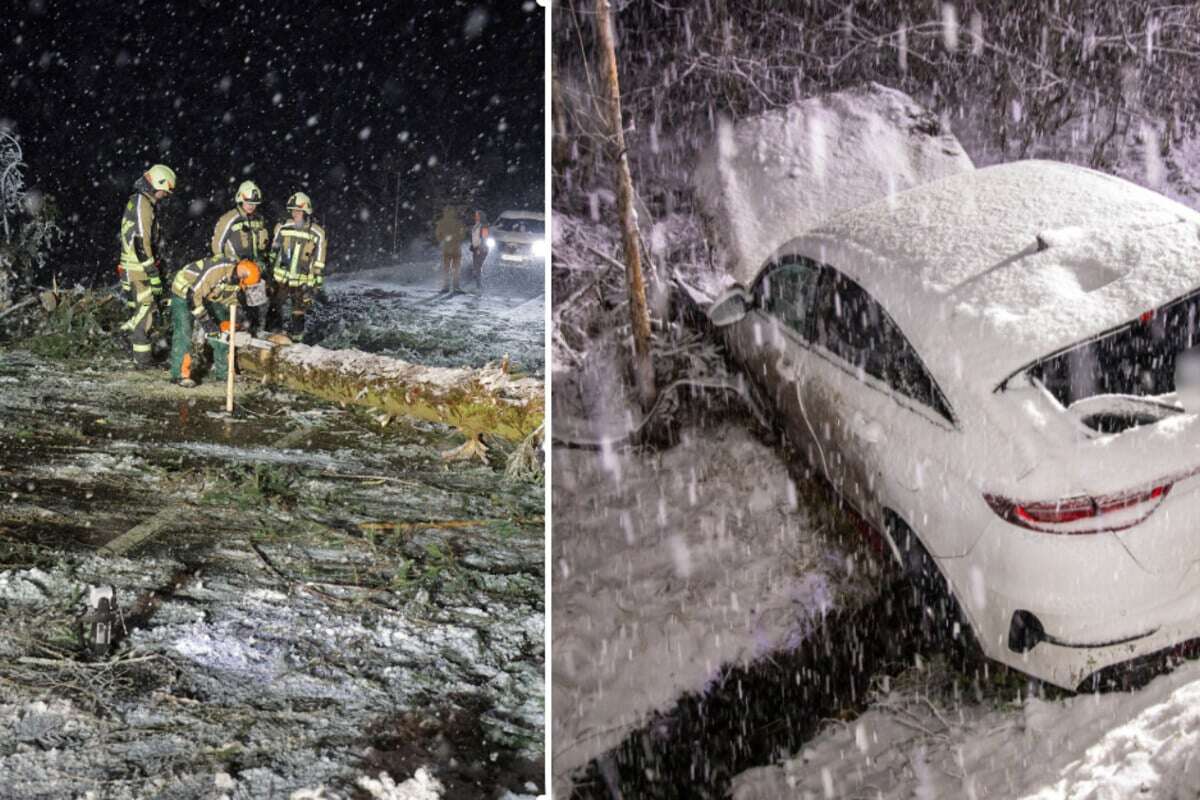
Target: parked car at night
520	238
984	368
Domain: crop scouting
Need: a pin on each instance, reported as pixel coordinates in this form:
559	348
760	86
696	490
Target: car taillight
1112	512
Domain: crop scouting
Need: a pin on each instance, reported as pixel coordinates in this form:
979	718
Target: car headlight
538	248
491	242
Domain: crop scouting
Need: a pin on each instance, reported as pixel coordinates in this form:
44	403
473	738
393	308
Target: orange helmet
248	273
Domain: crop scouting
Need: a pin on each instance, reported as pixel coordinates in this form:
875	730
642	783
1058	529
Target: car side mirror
730	307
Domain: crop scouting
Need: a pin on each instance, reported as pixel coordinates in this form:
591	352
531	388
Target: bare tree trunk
476	401
640	317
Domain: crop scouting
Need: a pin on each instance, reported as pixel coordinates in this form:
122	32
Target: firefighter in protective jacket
241	233
202	293
298	263
141	267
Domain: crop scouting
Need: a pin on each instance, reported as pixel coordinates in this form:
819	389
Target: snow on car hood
959	266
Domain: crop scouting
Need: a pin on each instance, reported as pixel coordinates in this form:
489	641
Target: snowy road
399	311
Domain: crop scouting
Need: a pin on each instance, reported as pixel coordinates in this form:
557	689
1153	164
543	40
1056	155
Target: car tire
938	619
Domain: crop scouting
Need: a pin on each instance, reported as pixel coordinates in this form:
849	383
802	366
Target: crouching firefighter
140	268
298	263
202	294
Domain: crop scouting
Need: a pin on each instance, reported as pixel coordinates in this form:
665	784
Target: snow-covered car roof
989	270
523	215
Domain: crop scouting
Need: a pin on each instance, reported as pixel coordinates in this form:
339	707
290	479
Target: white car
984	367
519	237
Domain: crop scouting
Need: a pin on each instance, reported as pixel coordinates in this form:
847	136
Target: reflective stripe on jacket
239	236
139	235
298	253
206	280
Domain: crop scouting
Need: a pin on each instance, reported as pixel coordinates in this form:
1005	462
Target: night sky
331	99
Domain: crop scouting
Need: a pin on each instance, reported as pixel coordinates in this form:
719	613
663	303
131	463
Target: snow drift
918	743
769	178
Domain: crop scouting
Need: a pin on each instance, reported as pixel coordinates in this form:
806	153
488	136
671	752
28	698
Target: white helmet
161	177
299	202
248	193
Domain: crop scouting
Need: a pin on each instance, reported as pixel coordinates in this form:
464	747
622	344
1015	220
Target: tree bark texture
476	401
630	239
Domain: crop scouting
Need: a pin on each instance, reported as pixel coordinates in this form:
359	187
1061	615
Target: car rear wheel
938	619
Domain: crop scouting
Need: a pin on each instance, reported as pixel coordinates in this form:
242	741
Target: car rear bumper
1068	664
1095	604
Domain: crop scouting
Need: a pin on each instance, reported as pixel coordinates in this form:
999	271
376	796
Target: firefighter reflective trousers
298	299
140	300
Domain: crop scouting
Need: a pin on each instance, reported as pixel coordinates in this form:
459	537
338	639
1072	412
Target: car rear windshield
521	225
1136	359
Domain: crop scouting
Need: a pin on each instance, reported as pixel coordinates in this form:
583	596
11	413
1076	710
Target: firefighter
298	263
450	233
141	268
479	250
241	233
202	293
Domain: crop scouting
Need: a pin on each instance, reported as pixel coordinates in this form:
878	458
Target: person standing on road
141	268
479	250
202	293
240	234
298	264
450	233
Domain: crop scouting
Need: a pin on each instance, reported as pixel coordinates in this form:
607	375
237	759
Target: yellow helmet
248	273
299	202
161	178
249	193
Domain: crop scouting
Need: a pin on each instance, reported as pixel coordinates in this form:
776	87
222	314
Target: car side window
850	324
786	293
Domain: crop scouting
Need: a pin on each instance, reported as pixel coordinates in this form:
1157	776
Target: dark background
340	101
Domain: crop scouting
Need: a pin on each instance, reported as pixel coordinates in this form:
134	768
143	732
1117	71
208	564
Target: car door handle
866	429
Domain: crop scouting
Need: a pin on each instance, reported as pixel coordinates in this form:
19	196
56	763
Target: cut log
476	401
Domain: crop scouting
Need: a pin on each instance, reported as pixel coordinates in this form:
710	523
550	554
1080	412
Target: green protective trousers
220	350
181	334
181	338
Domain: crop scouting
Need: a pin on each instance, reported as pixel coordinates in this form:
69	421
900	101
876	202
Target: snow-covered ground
670	566
325	608
920	741
398	310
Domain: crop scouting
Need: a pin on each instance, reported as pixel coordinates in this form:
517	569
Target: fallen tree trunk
476	401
